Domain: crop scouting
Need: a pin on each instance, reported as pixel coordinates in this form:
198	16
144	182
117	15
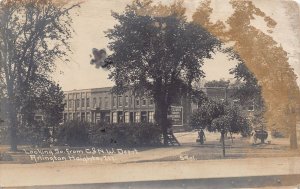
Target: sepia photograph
130	94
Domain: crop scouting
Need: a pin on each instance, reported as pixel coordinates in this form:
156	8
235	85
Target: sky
94	17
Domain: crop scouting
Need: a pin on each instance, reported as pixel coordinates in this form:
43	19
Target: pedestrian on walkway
201	136
253	138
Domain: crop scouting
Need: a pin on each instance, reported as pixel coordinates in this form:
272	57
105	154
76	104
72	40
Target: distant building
101	105
227	94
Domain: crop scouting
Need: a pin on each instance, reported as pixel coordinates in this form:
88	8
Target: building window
144	117
126	117
235	102
126	100
137	102
107	118
100	102
83	116
151	102
114	101
144	102
120	117
70	103
38	118
66	103
87	102
88	117
106	102
115	117
82	102
151	117
120	100
98	117
65	117
77	103
137	117
251	108
94	102
70	116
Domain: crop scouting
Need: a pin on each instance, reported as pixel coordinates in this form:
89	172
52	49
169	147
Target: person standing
201	136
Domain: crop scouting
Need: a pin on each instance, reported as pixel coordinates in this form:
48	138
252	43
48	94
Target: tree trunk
293	140
13	127
161	113
188	109
12	117
262	140
293	131
231	137
223	142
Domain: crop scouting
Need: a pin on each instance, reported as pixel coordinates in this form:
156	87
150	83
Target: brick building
101	105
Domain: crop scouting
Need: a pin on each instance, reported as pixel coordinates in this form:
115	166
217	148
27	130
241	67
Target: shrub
73	133
278	134
134	134
5	157
4	135
35	134
246	130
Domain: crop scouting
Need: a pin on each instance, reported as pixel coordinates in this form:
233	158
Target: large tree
263	56
33	34
155	50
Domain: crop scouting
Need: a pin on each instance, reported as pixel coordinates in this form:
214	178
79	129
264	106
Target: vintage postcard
149	94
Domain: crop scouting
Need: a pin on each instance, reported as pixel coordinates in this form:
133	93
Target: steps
172	140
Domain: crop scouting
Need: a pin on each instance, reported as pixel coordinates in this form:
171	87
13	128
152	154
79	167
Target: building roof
103	89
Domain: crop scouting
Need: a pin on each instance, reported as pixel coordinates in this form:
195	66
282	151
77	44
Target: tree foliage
217	116
155	50
33	33
263	56
206	113
233	121
51	104
246	88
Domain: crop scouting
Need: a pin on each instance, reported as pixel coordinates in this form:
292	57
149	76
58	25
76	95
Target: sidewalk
75	172
190	163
